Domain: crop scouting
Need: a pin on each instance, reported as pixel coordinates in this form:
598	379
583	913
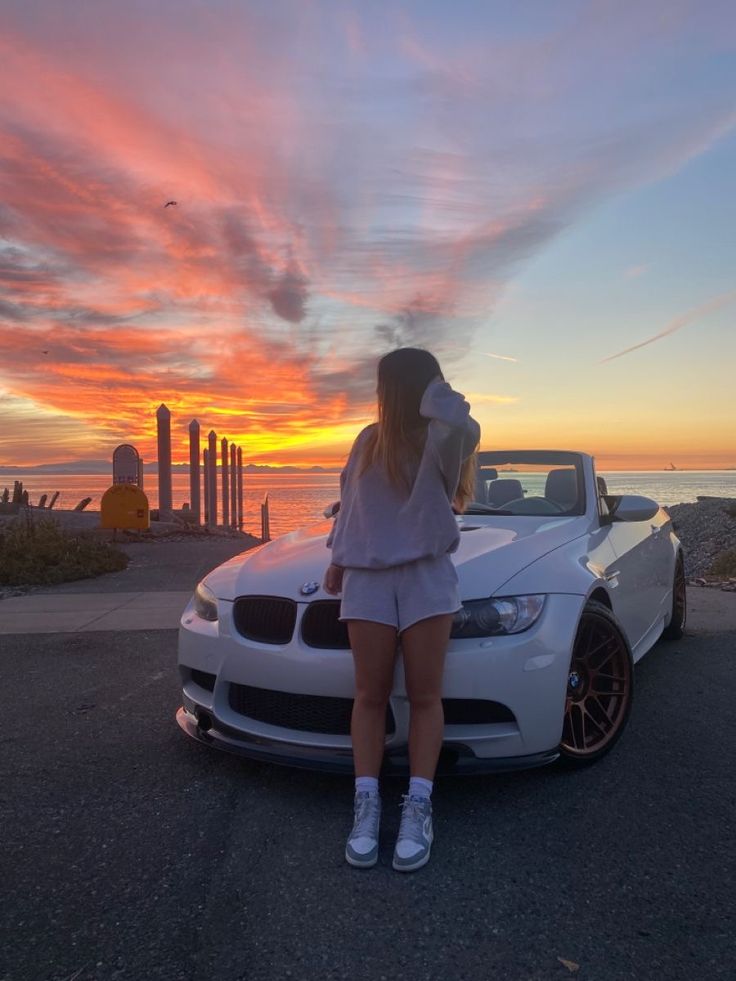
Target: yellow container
124	506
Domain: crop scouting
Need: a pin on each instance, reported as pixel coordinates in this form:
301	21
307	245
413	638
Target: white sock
366	785
419	787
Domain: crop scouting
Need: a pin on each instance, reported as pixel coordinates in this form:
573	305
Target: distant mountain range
105	466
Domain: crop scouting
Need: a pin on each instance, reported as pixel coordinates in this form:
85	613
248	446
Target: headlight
501	615
205	602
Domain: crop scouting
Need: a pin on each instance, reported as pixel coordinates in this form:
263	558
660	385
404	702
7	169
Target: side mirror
331	510
630	507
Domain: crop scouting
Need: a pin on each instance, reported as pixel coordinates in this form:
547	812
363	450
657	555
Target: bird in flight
44	352
169	203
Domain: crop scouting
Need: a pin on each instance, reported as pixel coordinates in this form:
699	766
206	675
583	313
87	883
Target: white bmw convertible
564	589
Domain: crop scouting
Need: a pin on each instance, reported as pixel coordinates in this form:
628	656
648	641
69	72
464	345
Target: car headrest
482	476
502	491
562	488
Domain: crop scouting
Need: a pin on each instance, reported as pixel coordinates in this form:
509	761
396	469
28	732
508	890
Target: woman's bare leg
424	645
374	654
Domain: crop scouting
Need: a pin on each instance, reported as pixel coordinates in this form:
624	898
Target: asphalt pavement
130	852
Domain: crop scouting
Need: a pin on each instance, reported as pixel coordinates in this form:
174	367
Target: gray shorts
402	595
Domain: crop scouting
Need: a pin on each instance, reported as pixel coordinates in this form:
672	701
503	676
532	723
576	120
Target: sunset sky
541	193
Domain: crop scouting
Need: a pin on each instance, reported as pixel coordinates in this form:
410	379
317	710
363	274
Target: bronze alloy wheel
676	627
599	687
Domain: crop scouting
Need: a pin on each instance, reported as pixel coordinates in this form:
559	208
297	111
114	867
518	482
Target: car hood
487	557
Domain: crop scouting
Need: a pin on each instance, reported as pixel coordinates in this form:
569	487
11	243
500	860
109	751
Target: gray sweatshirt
379	525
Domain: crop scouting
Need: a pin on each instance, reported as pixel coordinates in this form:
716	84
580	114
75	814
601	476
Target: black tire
600	688
678	618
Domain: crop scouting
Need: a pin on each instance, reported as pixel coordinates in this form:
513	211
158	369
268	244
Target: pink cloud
633	272
327	208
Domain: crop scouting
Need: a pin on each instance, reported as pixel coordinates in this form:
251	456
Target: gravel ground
705	530
154	566
170	559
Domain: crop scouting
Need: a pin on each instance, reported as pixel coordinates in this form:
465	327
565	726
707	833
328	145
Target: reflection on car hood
490	553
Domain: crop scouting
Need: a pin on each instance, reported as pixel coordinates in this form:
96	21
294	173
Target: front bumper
457	759
526	675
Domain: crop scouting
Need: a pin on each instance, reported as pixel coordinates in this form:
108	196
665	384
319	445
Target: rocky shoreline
706	530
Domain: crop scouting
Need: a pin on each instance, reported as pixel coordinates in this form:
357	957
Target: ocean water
299	499
294	499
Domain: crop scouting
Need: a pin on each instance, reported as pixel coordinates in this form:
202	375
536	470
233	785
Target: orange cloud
113	379
323	213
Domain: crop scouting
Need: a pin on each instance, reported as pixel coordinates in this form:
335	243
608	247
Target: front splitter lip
455	758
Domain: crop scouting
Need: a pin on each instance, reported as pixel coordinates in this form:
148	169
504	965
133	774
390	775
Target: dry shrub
724	564
41	553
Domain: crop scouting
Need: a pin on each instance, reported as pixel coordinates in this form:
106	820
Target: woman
391	545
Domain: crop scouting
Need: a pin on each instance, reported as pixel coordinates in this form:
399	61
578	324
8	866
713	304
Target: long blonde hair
403	376
465	492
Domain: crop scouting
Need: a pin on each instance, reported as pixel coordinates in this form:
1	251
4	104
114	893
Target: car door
663	571
637	580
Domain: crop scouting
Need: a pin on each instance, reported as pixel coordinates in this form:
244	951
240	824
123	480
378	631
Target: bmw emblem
308	588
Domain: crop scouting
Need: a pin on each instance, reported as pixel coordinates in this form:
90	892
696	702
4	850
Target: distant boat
671	467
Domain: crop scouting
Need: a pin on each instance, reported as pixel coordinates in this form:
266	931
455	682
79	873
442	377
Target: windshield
528	482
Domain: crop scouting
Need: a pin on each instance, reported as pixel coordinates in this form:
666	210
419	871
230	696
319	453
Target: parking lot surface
130	852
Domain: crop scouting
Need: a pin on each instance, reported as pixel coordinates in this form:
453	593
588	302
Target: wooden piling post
233	485
163	425
265	520
206	483
225	476
194	479
240	489
212	478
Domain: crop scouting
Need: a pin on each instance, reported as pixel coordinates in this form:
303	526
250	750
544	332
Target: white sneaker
362	847
415	834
